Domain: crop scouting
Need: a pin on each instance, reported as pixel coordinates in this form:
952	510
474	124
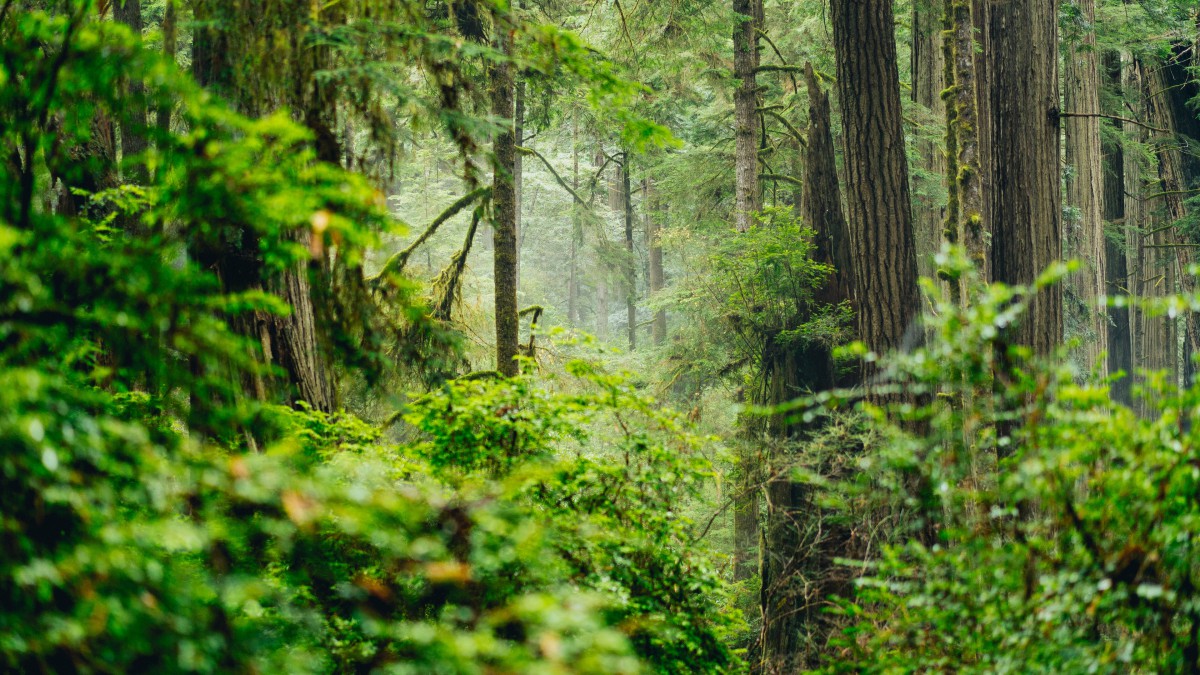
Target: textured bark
928	82
519	172
504	214
878	206
1151	267
630	261
1085	319
822	201
972	227
654	274
133	128
1171	189
1024	199
745	61
1115	268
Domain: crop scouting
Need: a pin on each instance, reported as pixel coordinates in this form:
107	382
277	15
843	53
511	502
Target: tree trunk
519	173
821	205
169	29
1024	199
654	274
745	101
1085	319
879	209
928	82
504	218
576	229
1115	268
972	226
1153	339
133	128
630	261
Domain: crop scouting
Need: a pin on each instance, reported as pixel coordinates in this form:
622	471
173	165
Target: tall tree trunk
879	209
1024	198
504	219
654	274
1086	320
972	227
576	229
928	82
169	30
133	129
1115	268
1151	267
747	15
519	172
630	261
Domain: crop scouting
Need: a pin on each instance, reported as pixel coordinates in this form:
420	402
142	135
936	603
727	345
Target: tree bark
576	230
747	15
630	261
1115	268
504	234
519	172
878	206
169	30
655	277
1024	199
972	226
928	82
1086	320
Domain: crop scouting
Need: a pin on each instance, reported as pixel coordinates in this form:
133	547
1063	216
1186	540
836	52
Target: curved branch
396	263
530	151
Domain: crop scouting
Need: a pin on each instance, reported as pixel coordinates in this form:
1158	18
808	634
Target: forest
599	336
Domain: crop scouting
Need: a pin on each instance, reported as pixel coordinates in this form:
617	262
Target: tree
1085	240
1024	200
504	234
879	210
747	23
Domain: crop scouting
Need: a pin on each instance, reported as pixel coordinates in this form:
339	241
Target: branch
396	263
763	34
791	129
550	168
780	177
778	69
1115	118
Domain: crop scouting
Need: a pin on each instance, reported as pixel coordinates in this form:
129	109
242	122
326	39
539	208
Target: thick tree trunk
821	205
504	219
1085	319
879	210
928	82
1025	206
1115	268
654	274
1151	267
747	15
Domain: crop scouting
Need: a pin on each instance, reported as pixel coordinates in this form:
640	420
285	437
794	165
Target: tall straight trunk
928	82
654	276
972	226
576	229
169	31
519	172
630	261
747	15
878	207
133	129
504	213
1115	269
1085	195
1172	186
821	205
1151	268
1024	199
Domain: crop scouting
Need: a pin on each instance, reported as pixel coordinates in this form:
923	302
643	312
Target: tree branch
396	263
1114	118
558	178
